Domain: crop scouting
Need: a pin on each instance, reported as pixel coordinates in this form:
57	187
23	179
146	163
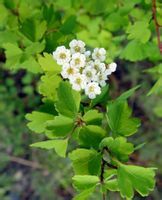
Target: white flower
92	89
68	71
62	55
99	54
99	66
77	46
78	60
101	79
90	73
111	68
78	82
87	54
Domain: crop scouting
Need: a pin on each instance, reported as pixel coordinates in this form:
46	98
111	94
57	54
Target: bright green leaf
139	31
84	182
93	117
48	85
137	178
48	64
157	87
119	147
120	120
60	126
91	136
134	51
38	120
69	100
86	161
111	185
60	146
128	93
85	194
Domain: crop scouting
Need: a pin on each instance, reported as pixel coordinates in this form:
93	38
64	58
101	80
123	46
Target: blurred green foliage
28	28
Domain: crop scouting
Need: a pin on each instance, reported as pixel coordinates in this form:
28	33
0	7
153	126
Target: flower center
89	74
70	71
77	61
77	48
62	55
78	81
96	67
97	54
91	89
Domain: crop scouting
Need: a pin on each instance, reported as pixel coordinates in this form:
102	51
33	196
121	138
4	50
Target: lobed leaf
120	120
90	136
86	161
137	178
60	146
69	100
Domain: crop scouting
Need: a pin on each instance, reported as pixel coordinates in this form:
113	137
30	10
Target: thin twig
22	161
111	166
103	163
157	25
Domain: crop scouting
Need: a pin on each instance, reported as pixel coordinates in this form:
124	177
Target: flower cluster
85	70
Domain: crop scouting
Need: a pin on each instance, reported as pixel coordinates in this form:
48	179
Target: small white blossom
62	55
77	46
85	70
101	79
92	89
87	54
68	71
78	82
99	54
99	66
90	73
112	67
78	60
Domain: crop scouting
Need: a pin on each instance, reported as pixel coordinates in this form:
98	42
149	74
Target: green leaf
109	173
139	31
158	109
93	117
18	59
7	37
13	54
31	65
84	182
48	64
134	51
102	97
128	93
69	25
33	29
60	146
85	194
48	85
3	15
69	100
91	136
38	121
35	48
95	7
157	87
120	120
137	178
85	161
119	147
61	126
111	185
